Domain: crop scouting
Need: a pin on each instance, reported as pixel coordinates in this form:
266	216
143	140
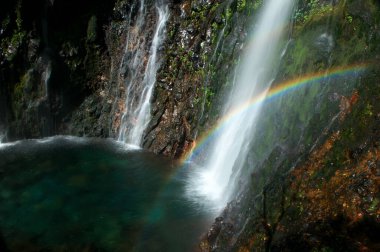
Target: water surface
73	194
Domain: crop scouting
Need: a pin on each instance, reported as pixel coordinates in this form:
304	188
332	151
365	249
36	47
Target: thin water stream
139	91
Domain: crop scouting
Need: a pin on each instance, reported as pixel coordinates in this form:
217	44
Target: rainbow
269	95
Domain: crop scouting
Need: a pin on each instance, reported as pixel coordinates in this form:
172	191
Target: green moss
312	9
5	23
374	205
10	45
349	19
257	4
214	7
172	32
227	15
18	95
19	87
18	15
241	5
92	29
359	123
209	96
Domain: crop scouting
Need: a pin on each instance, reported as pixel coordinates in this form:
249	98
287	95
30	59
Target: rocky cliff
314	169
315	179
64	72
53	54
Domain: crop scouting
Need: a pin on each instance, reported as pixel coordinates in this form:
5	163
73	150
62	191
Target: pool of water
75	194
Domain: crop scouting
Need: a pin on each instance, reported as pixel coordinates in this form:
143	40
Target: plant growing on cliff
91	29
313	8
208	94
241	4
227	15
10	45
349	19
5	23
257	4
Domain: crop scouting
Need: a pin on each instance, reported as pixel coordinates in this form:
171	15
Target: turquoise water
72	194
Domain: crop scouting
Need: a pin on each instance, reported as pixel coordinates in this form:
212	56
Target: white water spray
253	77
137	104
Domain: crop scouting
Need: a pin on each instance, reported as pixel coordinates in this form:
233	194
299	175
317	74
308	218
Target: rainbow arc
274	92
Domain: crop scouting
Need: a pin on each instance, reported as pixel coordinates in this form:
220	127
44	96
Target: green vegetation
257	4
5	23
241	4
228	14
209	95
92	29
312	9
11	44
18	98
349	19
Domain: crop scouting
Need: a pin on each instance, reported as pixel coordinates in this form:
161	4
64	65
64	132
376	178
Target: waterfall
46	77
136	114
253	77
3	115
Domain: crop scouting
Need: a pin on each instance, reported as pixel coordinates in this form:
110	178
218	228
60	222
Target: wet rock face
321	204
49	63
176	89
76	71
100	113
202	44
315	189
73	71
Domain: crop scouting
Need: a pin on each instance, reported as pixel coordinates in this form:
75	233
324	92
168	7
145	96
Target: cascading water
46	77
252	79
136	115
